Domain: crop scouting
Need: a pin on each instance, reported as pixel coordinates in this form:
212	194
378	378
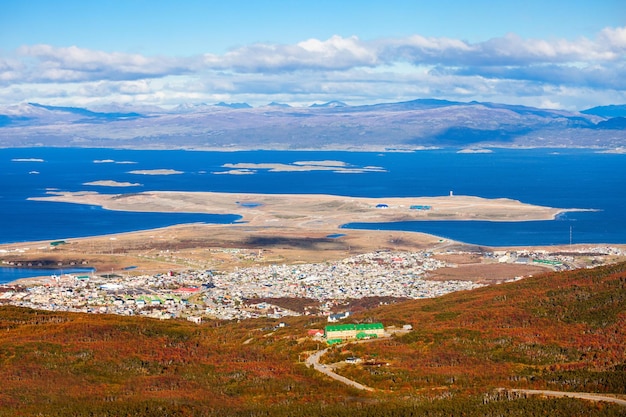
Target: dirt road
314	361
560	394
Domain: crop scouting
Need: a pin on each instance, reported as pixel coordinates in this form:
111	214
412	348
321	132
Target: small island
155	172
111	183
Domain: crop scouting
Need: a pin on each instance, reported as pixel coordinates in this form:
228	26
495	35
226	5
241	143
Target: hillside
607	111
562	332
405	125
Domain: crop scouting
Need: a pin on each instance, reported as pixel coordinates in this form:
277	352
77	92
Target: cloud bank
541	72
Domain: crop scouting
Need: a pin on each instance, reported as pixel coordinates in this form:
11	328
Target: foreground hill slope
564	332
561	331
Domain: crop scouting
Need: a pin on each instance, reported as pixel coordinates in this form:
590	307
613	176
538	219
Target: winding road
562	394
314	361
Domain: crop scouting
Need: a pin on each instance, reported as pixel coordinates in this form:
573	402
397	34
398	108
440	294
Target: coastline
371	148
274	229
314	210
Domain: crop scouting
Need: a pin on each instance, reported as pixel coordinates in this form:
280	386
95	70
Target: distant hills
330	105
87	113
405	125
607	111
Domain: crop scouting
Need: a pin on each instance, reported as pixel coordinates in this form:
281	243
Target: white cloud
336	53
339	53
508	68
46	63
135	87
614	38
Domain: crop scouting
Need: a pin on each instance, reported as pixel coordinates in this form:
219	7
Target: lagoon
9	274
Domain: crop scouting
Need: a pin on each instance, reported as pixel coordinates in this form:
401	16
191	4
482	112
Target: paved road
560	394
314	361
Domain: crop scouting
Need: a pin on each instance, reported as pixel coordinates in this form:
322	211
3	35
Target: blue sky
559	54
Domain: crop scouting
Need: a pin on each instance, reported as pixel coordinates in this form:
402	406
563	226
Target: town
243	293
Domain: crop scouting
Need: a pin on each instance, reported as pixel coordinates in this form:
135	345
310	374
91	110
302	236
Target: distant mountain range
607	111
334	125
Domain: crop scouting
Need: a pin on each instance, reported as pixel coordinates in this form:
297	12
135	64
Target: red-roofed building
187	290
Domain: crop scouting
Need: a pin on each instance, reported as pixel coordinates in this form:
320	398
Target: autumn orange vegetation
562	331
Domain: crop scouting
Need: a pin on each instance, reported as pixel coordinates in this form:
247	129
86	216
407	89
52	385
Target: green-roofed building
354	331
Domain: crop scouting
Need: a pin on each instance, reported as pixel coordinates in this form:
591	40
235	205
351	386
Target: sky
550	53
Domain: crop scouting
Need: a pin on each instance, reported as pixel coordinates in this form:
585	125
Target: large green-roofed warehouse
354	331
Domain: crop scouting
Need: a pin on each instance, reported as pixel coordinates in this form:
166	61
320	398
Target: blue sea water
12	274
558	178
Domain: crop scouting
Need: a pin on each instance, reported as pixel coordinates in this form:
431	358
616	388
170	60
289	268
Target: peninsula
318	212
294	228
284	250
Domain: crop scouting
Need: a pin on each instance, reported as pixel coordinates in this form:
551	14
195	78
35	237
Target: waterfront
9	274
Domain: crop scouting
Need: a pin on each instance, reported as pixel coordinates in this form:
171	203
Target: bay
9	274
564	178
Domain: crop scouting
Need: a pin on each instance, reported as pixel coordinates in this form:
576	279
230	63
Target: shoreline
323	209
400	148
282	228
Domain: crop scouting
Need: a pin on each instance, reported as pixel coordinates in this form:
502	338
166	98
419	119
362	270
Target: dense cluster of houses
200	294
